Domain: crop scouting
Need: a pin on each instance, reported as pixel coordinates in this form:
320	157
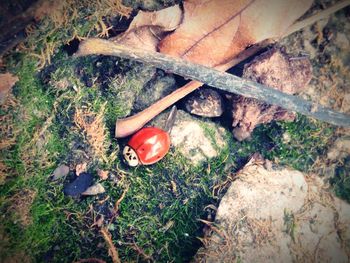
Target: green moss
341	180
160	211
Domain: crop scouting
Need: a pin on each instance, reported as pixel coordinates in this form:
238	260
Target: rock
274	69
129	87
60	172
197	140
205	102
79	185
149	5
154	90
339	150
266	216
94	190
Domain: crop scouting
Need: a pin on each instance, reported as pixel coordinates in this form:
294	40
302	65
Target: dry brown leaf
147	28
7	80
213	32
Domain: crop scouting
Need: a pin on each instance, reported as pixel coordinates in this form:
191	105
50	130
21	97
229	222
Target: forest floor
60	101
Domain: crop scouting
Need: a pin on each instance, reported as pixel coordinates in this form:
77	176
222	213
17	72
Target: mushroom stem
129	125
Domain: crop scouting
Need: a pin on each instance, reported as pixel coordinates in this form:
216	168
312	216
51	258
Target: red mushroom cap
151	144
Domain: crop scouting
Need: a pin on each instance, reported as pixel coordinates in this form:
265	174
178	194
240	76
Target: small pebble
94	190
79	185
102	174
205	102
60	172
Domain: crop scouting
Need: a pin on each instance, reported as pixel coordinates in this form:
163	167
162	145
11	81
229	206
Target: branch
215	78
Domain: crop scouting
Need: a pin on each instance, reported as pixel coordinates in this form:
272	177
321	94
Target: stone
269	215
129	87
149	5
79	185
205	102
274	69
198	140
60	172
154	90
94	190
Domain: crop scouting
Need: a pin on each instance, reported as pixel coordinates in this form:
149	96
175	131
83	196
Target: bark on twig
215	78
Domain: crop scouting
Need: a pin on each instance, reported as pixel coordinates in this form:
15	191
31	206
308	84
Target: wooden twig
215	78
111	248
318	16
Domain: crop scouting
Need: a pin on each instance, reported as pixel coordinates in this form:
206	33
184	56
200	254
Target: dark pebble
79	185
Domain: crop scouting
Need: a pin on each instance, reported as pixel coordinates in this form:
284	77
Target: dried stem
116	206
113	252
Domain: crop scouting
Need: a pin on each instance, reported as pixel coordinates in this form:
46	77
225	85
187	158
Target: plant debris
220	32
7	80
147	28
93	126
21	204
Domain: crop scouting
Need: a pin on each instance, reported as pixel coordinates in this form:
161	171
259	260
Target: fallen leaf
80	168
147	28
7	81
214	32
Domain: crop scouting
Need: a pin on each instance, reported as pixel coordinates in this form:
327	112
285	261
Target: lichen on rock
273	214
154	90
197	140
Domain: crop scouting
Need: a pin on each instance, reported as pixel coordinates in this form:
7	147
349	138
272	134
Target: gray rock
129	87
94	190
149	5
205	102
269	215
60	172
154	90
198	140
